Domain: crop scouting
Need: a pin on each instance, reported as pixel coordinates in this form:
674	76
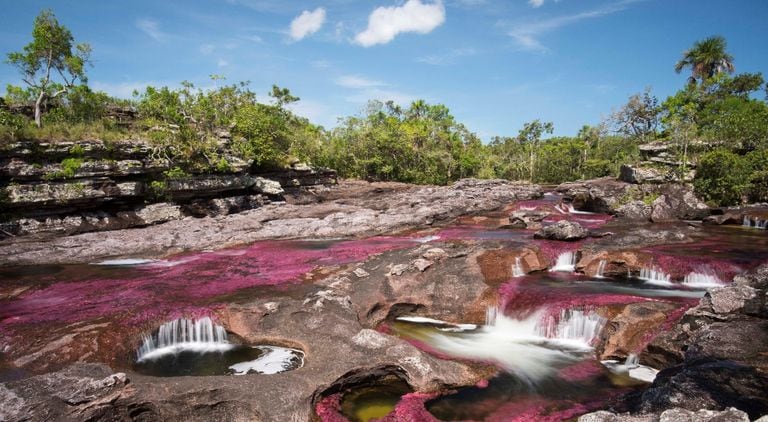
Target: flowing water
566	262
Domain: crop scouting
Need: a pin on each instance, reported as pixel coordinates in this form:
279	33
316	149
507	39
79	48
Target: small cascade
756	223
532	348
566	262
696	280
572	324
601	269
632	361
517	270
632	368
655	276
184	334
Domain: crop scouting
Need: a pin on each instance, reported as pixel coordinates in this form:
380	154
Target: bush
722	177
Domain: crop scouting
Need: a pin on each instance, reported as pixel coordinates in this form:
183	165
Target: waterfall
632	368
601	269
517	270
572	324
655	276
566	262
182	334
702	281
532	348
757	223
633	361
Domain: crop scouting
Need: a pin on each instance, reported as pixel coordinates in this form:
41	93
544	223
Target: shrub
722	177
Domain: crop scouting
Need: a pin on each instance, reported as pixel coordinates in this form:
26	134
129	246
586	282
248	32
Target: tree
706	59
51	56
639	117
530	135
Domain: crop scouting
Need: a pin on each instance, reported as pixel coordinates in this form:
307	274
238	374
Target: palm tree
706	59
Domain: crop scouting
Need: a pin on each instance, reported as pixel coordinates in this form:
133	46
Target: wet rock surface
715	356
562	230
657	202
358	214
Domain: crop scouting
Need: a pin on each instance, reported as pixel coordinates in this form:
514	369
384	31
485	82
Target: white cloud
527	35
307	23
365	89
385	23
321	64
447	58
152	28
222	63
315	111
207	49
357	82
536	3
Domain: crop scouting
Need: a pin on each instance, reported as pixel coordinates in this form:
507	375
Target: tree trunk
38	111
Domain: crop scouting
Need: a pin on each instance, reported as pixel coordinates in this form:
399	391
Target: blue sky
495	63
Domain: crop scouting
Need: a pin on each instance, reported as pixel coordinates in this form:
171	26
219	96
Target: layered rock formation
68	187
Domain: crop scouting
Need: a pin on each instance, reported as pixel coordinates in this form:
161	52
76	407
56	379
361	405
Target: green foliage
722	177
420	144
51	63
11	126
175	173
706	59
639	118
158	190
70	166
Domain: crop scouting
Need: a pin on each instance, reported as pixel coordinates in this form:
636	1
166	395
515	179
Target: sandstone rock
729	218
159	213
422	264
562	230
398	269
712	385
662	211
626	333
360	273
637	175
672	415
434	254
268	187
635	210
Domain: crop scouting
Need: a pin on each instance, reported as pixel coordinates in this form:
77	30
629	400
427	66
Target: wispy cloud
123	89
307	23
366	89
527	35
152	28
222	63
207	49
448	58
357	82
385	23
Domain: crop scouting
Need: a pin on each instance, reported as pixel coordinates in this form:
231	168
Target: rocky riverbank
348	210
364	256
67	188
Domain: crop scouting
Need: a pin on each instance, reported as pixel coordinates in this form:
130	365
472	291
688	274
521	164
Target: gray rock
422	264
635	210
637	175
159	213
268	187
562	230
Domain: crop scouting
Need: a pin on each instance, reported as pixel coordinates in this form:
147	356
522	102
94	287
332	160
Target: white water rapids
532	348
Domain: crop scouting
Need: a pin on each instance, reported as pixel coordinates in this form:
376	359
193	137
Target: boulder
267	187
637	175
562	230
706	384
